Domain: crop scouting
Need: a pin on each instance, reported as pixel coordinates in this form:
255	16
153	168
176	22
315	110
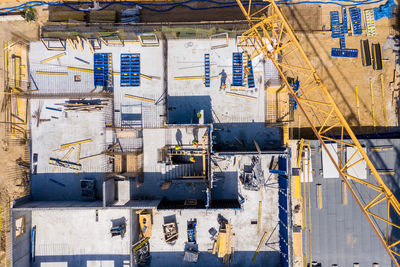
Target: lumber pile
83	105
223	244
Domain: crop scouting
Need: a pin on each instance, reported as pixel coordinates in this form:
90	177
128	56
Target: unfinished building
169	129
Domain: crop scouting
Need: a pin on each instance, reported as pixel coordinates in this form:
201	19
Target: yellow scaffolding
272	37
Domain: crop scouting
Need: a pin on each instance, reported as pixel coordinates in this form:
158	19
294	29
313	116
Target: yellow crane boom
272	37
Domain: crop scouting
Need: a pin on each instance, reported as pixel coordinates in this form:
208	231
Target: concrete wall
21	245
108	192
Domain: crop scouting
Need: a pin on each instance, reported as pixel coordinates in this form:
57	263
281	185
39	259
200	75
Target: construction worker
195	143
192	159
223	80
198	115
177	147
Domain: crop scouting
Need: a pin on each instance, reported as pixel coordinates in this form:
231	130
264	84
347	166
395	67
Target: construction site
216	133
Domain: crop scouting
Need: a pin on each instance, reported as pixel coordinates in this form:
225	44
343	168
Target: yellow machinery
271	36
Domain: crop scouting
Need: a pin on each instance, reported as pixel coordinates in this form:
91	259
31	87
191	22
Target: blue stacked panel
342	42
237	79
355	15
349	53
102	69
295	86
335	24
207	70
250	77
130	70
345	28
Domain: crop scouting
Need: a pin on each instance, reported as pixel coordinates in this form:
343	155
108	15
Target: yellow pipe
52	58
51	73
358	106
140	98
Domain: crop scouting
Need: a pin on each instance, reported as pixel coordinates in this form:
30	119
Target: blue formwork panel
130	70
207	70
342	42
250	76
283	220
295	86
237	77
335	24
349	53
355	15
345	27
102	70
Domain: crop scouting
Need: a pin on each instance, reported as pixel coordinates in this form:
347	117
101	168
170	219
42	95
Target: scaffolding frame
272	36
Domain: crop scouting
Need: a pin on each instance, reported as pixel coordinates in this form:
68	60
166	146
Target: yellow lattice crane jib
271	36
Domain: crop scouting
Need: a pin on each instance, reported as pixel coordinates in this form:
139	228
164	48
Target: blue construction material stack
283	214
386	10
295	86
102	70
339	52
340	31
355	15
130	70
335	24
345	28
207	70
250	76
237	78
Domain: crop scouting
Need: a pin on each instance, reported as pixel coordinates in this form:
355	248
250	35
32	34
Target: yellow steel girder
272	37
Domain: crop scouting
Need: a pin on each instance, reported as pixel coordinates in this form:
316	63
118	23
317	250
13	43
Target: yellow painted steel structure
272	37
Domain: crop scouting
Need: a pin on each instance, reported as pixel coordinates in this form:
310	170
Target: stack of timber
83	105
223	245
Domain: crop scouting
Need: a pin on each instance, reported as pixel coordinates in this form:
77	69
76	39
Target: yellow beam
383	101
140	98
51	73
52	58
259	222
371	89
242	96
80	69
76	143
319	196
358	107
64	157
262	241
189	78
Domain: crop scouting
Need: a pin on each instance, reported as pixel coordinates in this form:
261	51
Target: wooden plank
76	143
262	241
52	58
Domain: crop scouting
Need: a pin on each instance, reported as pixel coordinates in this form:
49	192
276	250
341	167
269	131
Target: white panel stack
370	22
306	175
328	168
360	169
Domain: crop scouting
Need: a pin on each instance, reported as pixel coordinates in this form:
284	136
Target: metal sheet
360	169
328	168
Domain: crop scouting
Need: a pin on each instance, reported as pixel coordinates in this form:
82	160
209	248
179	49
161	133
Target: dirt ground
13	184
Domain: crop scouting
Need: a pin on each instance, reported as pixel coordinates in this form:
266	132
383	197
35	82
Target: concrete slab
188	96
61	183
75	237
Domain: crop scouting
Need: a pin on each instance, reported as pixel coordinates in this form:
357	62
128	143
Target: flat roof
340	232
